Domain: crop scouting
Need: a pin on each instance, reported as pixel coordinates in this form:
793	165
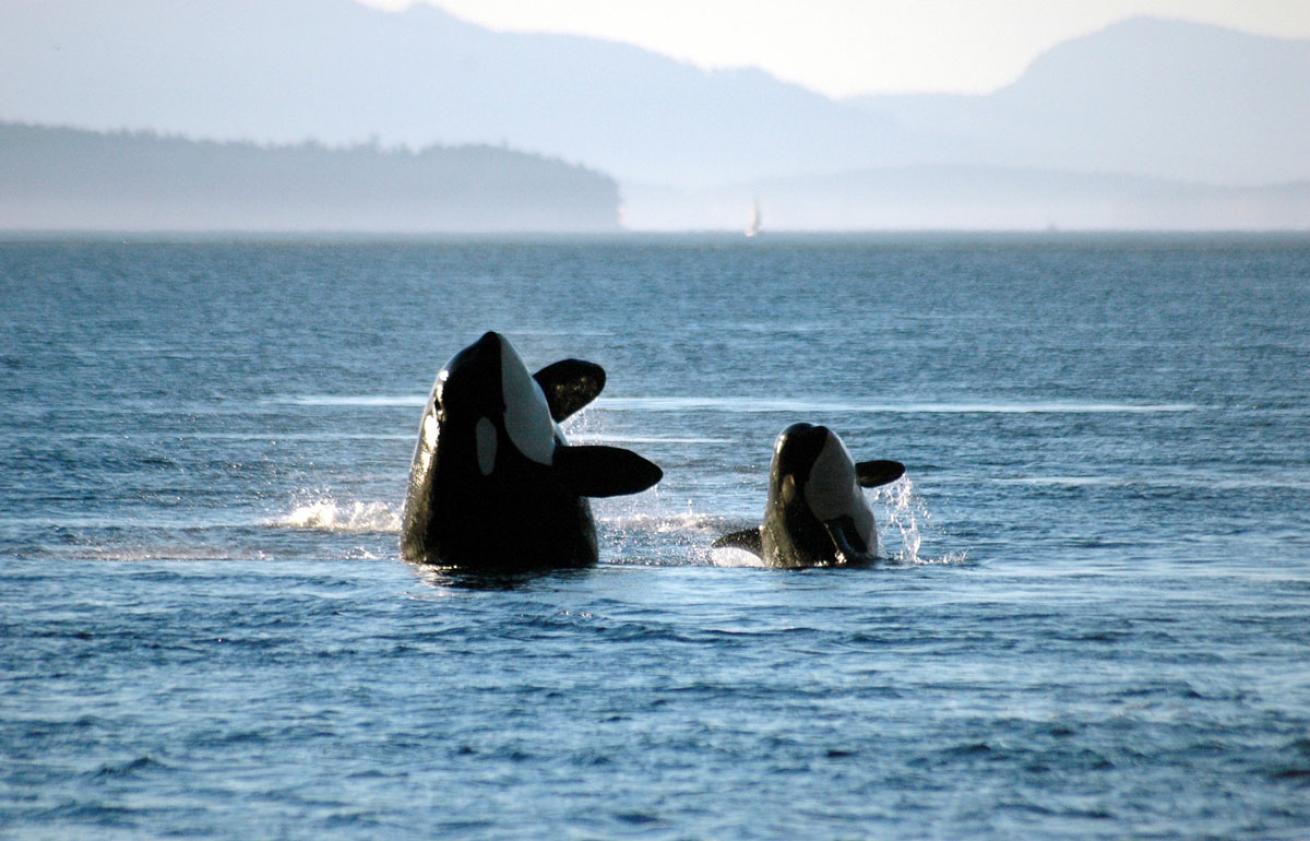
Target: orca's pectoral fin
871	474
569	385
748	539
604	471
848	545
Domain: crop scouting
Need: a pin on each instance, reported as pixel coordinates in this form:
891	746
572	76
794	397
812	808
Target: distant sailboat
756	220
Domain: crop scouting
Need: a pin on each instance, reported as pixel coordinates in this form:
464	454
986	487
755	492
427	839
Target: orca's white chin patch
527	416
832	492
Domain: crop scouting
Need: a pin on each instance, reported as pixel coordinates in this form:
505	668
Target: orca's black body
816	514
494	486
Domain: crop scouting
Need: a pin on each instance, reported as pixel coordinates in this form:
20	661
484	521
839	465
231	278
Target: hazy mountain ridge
336	71
1144	99
1145	96
58	178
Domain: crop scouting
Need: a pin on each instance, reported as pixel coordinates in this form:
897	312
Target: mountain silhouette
339	72
1145	96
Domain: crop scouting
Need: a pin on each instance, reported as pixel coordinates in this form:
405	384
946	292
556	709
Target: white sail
756	220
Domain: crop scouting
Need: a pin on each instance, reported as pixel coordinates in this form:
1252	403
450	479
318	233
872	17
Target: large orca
494	484
816	514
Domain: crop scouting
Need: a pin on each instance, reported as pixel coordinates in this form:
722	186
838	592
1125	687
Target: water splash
648	529
906	515
584	426
665	537
329	515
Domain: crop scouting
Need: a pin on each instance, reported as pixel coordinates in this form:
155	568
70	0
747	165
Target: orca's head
812	465
486	388
814	489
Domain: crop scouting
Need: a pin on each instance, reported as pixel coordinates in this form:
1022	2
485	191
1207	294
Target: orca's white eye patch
429	432
788	489
527	416
485	431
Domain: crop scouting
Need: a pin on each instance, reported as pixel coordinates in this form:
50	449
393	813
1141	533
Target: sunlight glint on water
330	515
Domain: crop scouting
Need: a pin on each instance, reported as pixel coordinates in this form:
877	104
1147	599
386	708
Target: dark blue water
1095	624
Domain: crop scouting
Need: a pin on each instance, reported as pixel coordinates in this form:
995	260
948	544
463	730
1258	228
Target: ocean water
1093	622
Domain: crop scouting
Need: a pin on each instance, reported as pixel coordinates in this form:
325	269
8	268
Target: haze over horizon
843	48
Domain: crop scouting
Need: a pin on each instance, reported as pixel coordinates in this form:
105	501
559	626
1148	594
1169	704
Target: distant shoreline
74	180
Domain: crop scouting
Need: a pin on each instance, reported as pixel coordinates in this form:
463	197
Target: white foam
329	515
662	523
641	530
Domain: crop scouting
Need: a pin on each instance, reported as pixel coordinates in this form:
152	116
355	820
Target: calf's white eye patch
788	489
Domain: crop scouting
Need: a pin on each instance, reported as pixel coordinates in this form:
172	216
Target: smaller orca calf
494	485
816	514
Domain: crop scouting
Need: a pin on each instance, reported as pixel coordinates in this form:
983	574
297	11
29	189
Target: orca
816	514
494	486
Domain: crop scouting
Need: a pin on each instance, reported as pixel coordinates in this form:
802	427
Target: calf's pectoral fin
748	539
871	474
604	471
848	545
569	385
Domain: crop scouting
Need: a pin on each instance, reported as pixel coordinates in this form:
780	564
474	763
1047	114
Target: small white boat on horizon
753	228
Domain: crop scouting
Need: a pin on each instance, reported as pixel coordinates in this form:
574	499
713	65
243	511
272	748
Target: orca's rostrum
494	485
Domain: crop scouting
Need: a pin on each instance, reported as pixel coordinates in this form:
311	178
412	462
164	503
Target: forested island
70	179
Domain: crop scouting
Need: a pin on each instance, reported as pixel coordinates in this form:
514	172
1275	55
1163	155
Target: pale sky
846	47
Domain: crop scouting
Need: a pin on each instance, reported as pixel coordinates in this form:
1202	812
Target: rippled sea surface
1094	622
